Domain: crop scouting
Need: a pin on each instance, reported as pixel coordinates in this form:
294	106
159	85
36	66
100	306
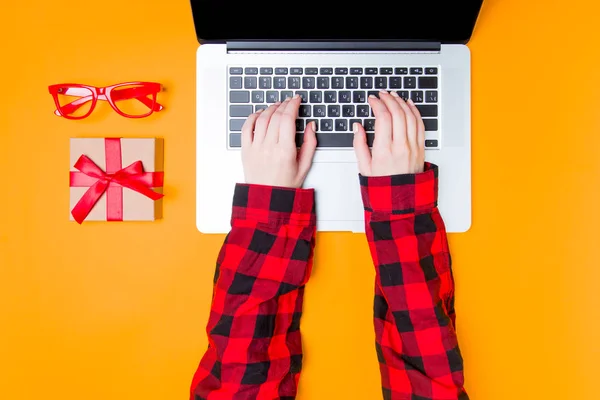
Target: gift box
116	179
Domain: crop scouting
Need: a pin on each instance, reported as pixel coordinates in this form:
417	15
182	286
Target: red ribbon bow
132	177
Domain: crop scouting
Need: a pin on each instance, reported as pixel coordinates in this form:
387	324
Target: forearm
416	341
253	329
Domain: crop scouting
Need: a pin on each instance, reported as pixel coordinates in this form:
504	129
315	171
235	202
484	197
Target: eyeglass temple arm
138	93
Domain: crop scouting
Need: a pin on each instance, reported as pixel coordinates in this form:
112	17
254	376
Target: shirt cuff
401	194
274	205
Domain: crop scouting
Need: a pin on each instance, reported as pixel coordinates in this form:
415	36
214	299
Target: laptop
333	54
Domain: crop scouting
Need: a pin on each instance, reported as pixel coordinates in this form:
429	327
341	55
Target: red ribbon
111	182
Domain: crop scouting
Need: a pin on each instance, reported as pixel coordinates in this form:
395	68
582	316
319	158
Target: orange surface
117	310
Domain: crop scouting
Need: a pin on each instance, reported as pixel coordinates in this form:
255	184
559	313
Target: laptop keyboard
334	97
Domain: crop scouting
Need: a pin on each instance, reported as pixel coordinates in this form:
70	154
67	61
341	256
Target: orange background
117	310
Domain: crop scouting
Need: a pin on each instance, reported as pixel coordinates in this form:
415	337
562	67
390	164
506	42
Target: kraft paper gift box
116	179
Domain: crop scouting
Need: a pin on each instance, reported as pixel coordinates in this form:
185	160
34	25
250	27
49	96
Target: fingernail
372	96
383	91
409	101
259	111
355	127
296	96
394	94
313	125
277	103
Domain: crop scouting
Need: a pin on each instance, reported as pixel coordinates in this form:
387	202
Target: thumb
307	151
361	149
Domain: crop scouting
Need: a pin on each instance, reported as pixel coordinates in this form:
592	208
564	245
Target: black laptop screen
450	21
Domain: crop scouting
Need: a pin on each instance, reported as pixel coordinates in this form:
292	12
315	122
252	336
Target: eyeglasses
131	99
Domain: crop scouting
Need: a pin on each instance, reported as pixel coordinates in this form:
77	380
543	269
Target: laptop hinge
332	46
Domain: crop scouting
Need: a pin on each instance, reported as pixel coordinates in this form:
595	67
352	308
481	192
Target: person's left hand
269	152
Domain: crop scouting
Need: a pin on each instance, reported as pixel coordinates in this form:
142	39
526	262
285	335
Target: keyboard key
258	96
386	71
250	82
416	71
260	107
416	96
316	97
401	71
235	140
235	82
337	82
369	125
281	71
311	71
351	82
286	94
428	82
356	71
272	96
304	111
403	94
264	82
327	125
366	82
373	93
428	110
326	71
316	121
352	122
240	111
330	97
235	125
381	82
431	71
430	124
266	71
345	96
359	96
236	71
338	139
294	82
341	71
323	82
279	83
431	143
371	71
362	111
348	111
303	94
341	125
308	82
299	125
431	96
333	111
251	71
296	71
319	111
395	82
241	96
410	82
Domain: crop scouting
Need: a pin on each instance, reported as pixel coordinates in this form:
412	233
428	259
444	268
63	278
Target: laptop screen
450	21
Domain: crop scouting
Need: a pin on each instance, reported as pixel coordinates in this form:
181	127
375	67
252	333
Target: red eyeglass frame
139	93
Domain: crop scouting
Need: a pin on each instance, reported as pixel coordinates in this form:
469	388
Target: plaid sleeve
255	351
416	343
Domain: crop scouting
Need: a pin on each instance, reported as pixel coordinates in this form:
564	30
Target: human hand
399	144
269	152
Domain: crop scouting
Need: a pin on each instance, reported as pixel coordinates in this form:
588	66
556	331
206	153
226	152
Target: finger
361	149
420	127
287	128
411	124
307	152
383	122
263	122
248	129
272	135
398	117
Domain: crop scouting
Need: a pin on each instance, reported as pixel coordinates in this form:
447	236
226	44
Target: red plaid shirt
255	349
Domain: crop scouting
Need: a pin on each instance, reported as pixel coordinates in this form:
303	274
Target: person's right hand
399	144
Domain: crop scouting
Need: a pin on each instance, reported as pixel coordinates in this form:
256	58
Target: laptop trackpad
337	191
